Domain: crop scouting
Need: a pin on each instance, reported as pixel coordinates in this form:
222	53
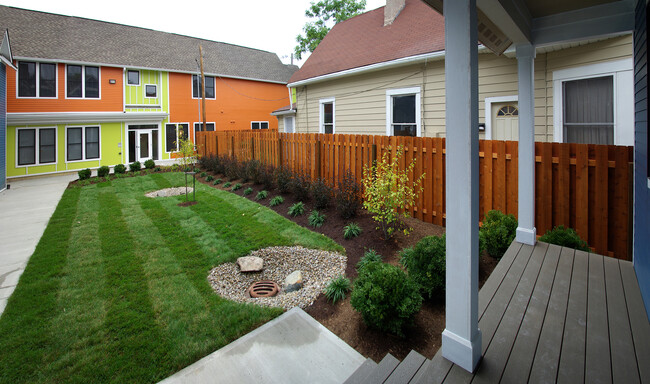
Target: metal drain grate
265	288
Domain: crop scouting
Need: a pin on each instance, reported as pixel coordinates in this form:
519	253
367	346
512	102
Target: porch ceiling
553	7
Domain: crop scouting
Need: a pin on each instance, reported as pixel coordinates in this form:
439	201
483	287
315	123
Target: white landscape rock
250	264
167	192
293	282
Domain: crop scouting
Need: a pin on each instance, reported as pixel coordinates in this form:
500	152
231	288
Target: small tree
186	152
387	190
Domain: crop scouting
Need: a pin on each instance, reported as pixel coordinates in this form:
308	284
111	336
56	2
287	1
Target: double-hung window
174	132
82	143
326	115
133	77
403	112
36	79
82	81
36	146
199	127
197	87
259	125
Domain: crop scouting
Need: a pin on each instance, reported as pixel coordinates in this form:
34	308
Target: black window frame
83	144
259	125
210	89
128	76
155	87
413	125
85	82
37	146
36	82
198	127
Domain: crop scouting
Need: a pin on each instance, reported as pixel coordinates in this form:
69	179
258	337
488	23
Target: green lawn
117	288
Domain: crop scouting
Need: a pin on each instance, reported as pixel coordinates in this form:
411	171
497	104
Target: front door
143	142
505	120
144	146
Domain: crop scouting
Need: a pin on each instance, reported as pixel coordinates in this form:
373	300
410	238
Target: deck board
597	360
624	369
638	320
547	355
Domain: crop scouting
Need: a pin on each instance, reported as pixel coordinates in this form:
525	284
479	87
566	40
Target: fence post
318	159
373	154
252	148
232	146
216	145
279	151
205	145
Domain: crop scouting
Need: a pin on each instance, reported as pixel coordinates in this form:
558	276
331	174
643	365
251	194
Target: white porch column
526	232
461	339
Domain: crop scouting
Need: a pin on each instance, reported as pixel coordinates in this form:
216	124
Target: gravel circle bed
318	268
167	192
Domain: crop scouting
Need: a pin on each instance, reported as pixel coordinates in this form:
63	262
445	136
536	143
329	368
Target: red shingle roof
363	40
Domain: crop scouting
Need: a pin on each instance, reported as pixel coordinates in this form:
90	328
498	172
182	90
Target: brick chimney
391	10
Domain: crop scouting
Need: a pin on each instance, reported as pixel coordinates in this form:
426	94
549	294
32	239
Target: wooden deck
551	314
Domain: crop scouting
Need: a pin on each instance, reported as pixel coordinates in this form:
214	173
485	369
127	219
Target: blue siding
3	127
641	190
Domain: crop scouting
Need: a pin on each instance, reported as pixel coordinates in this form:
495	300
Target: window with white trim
82	143
36	79
197	87
82	81
259	125
172	134
35	146
150	91
327	115
198	127
133	77
403	112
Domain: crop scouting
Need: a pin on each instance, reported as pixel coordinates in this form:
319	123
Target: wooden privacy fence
583	186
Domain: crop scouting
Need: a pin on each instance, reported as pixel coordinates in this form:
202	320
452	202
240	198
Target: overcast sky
271	25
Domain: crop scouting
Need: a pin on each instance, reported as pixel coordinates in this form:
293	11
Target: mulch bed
340	318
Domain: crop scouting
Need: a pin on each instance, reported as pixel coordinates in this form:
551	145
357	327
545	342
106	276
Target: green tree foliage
324	14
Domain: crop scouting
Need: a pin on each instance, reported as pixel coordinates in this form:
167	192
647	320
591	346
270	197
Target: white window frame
196	125
622	72
38	81
260	122
389	108
488	110
321	114
165	134
145	91
127	76
83	143
83	82
37	159
199	93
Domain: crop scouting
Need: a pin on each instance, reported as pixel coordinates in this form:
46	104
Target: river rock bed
318	268
167	192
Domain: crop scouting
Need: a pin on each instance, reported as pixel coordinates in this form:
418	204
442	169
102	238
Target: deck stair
390	370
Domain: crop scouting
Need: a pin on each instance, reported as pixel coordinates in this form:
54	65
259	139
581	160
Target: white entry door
505	121
143	143
144	146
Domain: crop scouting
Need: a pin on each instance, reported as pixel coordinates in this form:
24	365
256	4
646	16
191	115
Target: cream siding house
362	96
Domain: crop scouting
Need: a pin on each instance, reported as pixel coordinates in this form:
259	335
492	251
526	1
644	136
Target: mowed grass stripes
117	288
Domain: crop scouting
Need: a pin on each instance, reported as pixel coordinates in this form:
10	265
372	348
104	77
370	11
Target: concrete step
361	374
406	369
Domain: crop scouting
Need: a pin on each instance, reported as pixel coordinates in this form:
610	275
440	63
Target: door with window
143	143
505	120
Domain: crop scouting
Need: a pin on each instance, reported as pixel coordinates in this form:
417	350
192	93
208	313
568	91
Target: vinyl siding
361	99
3	126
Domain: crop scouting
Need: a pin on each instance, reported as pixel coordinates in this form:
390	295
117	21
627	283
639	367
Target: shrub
297	209
261	195
203	174
497	233
253	169
236	187
370	256
565	237
158	169
227	185
248	191
276	201
103	171
351	230
265	177
386	298
120	168
348	196
150	164
425	264
316	219
282	178
216	182
231	168
337	288
300	186
209	178
135	166
84	174
321	192
388	190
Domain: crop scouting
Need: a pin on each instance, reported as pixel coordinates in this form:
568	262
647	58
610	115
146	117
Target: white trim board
488	111
18	118
623	75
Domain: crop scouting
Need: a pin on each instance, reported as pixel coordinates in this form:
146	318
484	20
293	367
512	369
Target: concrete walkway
293	348
25	210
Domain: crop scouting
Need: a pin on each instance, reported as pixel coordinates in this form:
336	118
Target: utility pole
205	127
